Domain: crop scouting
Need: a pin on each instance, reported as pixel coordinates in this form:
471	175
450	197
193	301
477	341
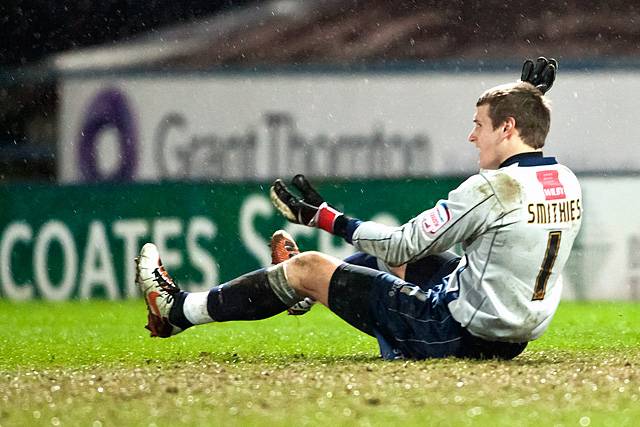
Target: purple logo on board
109	109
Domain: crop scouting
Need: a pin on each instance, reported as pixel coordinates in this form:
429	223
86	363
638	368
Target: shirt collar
533	158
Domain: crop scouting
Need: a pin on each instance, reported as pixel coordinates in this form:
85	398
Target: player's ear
509	124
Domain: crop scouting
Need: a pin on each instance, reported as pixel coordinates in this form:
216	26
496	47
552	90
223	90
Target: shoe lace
167	285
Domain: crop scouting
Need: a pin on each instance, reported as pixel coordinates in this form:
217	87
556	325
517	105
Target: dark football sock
248	297
176	314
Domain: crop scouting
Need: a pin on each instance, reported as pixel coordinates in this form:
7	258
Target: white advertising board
361	125
605	262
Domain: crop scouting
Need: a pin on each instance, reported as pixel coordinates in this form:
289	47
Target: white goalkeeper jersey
516	225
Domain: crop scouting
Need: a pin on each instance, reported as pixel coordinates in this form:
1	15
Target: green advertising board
64	242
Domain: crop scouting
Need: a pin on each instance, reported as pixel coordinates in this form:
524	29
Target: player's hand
541	74
308	209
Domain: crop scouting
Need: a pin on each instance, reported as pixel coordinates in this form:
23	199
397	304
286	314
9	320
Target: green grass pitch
92	364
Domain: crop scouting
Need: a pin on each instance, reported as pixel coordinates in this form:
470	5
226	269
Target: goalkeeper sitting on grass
516	221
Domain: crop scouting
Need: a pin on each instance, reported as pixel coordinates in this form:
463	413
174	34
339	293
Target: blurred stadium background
125	121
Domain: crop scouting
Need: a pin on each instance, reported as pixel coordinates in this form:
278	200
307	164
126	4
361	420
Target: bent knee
307	260
310	270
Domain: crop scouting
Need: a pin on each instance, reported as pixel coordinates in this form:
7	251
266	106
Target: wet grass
91	363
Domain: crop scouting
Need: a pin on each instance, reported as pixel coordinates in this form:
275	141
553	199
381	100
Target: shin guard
248	297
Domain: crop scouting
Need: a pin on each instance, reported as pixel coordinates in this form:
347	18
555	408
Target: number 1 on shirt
553	247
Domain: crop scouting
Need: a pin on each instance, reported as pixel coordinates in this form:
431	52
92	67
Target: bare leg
309	274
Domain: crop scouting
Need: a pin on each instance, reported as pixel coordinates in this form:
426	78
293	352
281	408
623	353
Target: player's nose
471	138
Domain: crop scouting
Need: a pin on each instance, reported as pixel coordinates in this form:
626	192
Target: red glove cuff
326	217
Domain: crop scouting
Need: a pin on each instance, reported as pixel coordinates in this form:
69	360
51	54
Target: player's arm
466	212
435	230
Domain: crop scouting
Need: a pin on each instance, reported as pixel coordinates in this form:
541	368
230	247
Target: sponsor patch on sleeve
436	218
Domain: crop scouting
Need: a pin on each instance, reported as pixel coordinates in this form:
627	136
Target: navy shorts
409	321
426	272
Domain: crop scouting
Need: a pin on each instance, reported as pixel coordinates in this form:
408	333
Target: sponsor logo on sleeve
436	218
551	185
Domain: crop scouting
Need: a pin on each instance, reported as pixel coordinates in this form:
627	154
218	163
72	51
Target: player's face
485	138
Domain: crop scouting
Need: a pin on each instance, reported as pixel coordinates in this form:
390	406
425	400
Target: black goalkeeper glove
541	74
309	210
